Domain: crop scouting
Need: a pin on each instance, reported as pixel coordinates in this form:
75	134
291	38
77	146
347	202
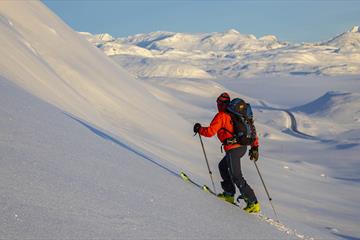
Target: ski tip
184	176
206	188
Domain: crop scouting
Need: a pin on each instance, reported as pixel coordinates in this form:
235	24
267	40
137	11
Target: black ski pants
230	171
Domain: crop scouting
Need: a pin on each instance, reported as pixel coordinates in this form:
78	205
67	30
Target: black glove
197	127
254	153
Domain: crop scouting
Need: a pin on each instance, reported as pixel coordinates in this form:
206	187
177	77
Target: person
230	165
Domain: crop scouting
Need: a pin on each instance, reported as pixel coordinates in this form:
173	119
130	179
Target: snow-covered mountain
228	41
346	42
335	115
343	107
231	54
89	150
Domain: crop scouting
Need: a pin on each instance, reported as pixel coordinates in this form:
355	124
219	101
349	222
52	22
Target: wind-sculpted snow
232	54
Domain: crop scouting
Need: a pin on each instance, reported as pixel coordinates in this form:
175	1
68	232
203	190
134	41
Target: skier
230	166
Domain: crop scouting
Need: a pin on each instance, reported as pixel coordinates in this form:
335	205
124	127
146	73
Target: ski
281	227
203	187
206	189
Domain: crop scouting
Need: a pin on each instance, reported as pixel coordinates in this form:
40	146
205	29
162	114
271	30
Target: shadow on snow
119	143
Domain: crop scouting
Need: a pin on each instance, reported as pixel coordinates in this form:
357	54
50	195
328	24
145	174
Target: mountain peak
104	37
232	31
355	29
270	38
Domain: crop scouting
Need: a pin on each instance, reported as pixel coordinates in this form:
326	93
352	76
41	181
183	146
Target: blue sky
292	20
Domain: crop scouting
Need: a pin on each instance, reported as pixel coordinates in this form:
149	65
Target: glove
254	153
197	127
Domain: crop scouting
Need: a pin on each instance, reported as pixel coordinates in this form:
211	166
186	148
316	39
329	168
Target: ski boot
228	197
253	207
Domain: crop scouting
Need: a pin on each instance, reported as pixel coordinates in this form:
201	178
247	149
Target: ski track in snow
283	228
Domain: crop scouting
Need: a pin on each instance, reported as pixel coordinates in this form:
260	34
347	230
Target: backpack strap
231	140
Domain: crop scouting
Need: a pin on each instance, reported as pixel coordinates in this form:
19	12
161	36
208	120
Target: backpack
243	122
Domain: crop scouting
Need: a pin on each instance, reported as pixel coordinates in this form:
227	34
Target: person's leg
227	183
234	156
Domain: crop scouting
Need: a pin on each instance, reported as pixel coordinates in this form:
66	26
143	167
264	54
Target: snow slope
232	54
314	179
99	159
63	69
63	178
90	151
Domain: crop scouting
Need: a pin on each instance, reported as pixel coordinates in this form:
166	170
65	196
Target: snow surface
62	178
92	151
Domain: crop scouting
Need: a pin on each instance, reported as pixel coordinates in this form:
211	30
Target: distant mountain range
229	54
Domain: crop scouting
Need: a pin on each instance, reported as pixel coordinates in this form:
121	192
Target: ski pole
207	163
267	193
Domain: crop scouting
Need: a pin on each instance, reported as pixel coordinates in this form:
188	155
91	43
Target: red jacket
223	127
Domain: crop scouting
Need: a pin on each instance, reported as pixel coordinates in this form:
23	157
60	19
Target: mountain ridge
231	54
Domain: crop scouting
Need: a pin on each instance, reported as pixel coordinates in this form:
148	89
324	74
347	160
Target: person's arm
254	151
256	142
215	126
